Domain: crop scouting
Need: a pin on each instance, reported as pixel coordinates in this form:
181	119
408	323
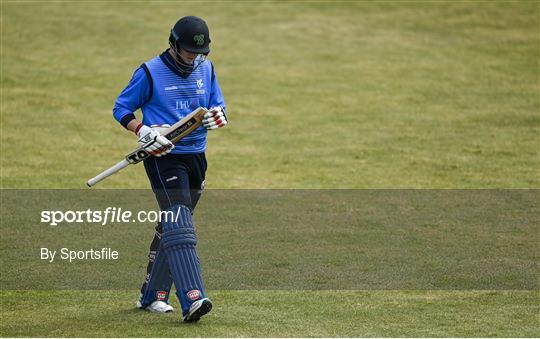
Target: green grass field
278	314
321	95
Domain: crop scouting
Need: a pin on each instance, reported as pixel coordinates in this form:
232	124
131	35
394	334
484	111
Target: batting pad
178	243
158	280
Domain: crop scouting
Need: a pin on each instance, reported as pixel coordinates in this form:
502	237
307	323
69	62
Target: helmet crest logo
199	39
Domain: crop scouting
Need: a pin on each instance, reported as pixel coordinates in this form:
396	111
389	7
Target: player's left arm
216	116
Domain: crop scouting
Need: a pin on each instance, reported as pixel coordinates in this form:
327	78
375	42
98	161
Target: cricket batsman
167	88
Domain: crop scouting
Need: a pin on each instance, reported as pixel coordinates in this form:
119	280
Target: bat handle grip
108	172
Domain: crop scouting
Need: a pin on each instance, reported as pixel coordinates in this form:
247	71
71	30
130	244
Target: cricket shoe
197	310
157	306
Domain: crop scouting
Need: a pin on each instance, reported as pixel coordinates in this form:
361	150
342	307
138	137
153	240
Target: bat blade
185	126
174	134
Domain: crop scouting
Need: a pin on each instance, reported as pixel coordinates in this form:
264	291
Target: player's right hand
153	142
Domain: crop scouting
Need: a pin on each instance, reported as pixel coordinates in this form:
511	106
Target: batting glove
215	118
152	142
160	128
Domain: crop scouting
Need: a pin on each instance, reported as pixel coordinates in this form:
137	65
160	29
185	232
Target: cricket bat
174	133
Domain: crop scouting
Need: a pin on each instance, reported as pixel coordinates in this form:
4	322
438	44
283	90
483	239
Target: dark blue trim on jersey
150	82
167	59
126	119
169	62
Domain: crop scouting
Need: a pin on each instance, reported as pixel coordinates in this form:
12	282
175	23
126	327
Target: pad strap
179	236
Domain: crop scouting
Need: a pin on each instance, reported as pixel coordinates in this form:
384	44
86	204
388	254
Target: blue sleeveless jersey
165	97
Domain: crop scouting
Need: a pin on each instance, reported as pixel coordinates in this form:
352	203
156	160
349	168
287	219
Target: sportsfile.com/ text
103	217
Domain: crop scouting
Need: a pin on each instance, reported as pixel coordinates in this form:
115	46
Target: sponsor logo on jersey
182	104
200	84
